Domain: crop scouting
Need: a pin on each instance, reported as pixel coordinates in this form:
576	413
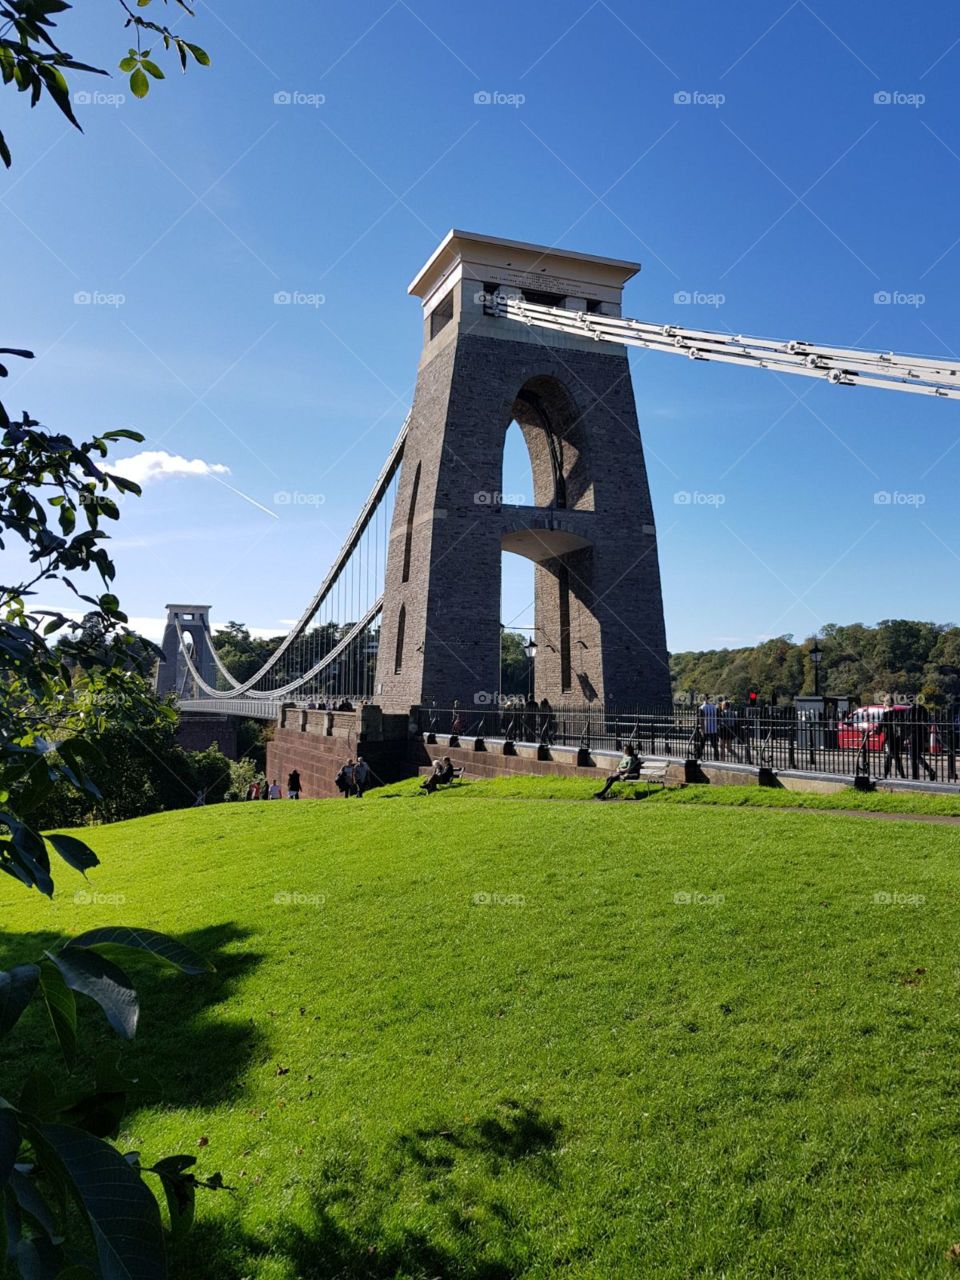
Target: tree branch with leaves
33	61
71	1204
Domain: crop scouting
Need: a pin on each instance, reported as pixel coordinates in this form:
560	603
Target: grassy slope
528	787
596	1082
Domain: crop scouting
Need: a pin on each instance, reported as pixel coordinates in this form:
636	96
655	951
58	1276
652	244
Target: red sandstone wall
196	732
318	757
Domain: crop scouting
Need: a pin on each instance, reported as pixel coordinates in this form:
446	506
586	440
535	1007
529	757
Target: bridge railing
911	744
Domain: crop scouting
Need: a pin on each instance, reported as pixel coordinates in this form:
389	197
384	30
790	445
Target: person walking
274	792
344	779
891	726
361	776
920	742
727	729
707	720
293	785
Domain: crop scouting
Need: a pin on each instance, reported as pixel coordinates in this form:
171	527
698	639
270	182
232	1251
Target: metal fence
912	744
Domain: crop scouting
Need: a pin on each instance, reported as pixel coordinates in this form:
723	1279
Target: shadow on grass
198	1056
516	1132
447	1174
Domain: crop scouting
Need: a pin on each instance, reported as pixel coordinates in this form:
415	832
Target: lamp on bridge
530	649
816	657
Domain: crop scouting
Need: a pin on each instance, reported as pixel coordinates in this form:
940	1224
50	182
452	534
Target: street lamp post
816	657
530	649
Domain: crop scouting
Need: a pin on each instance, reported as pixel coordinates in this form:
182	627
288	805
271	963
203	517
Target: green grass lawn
545	787
491	1038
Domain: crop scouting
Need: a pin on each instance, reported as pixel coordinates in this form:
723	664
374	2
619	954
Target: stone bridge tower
589	524
173	675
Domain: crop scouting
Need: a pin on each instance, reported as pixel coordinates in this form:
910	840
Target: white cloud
156	464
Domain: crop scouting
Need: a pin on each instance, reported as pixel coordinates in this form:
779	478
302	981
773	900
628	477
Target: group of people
515	716
353	778
271	791
444	771
906	729
720	727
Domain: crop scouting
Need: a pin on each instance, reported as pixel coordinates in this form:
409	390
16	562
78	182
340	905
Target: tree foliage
896	656
57	1164
66	684
33	62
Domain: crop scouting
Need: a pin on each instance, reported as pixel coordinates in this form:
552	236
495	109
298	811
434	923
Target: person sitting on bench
627	770
444	772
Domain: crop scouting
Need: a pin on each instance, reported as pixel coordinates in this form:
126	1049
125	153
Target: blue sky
785	193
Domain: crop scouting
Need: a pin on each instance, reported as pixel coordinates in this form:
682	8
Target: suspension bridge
408	612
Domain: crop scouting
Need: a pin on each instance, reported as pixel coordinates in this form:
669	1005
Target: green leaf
29	854
57	88
62	1008
93	975
139	84
124	433
201	55
127	64
122	1214
32	1202
180	1190
158	944
16	991
74	852
152	69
